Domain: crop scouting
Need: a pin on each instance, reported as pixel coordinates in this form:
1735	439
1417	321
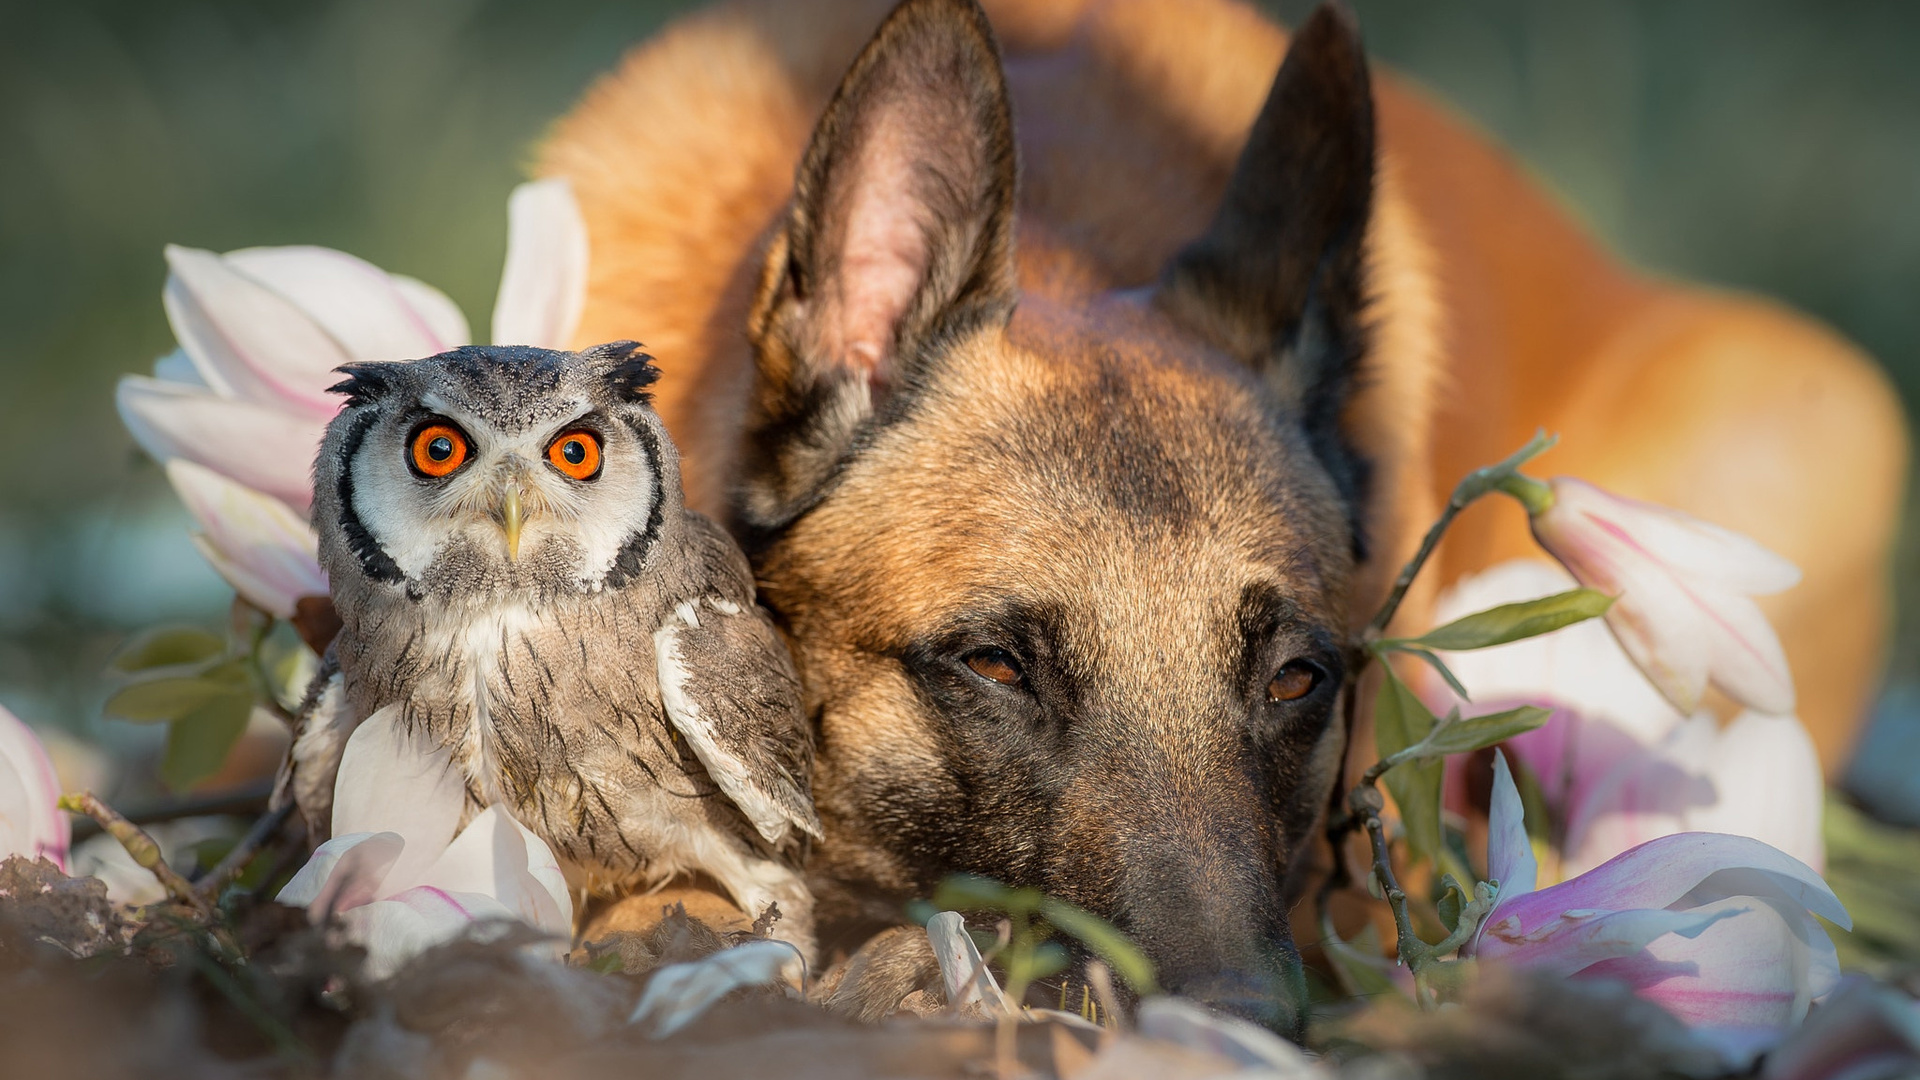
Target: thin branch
142	847
211	882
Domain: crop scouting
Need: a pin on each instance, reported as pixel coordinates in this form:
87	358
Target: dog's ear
899	243
1279	277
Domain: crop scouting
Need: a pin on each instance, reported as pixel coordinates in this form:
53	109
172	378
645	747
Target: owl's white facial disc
571	529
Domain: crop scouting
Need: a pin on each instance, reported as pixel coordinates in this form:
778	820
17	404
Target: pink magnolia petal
264	550
1698	550
247	340
498	857
31	824
400	927
1645	796
1748	663
1510	858
1760	967
392	781
344	873
370	313
1576	939
1702	866
544	285
267	449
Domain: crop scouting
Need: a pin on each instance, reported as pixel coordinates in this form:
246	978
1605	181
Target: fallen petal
678	994
372	314
263	549
962	970
258	446
544	285
1182	1022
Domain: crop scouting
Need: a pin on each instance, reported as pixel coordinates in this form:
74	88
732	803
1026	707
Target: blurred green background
1756	143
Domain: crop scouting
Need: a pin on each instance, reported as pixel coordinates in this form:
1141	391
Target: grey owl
515	571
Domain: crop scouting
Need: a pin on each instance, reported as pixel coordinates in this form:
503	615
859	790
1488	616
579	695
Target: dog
1077	385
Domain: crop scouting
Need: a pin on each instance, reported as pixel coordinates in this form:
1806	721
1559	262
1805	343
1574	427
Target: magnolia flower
401	872
1682	611
31	824
238	410
1618	764
1718	930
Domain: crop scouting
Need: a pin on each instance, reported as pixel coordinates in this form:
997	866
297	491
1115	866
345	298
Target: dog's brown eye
1295	681
996	664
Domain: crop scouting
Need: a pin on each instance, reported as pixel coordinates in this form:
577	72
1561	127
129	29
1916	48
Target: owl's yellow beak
510	520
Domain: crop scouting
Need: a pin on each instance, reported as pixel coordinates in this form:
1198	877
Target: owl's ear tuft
363	382
632	371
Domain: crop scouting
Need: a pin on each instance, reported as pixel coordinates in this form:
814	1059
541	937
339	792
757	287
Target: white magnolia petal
247	340
1580	667
1767	776
1510	858
344	873
1747	662
368	311
442	316
392	781
543	288
962	970
1576	939
1645	796
31	824
177	367
265	550
1697	549
679	993
1665	632
1759	967
494	855
262	447
1249	1045
398	928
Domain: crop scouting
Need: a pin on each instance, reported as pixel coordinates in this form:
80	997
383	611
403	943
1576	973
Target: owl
517	575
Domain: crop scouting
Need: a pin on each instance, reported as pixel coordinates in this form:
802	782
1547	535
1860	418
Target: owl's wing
730	690
320	729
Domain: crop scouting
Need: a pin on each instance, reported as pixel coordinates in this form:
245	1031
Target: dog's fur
1137	372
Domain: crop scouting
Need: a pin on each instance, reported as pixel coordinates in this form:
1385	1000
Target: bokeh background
1762	144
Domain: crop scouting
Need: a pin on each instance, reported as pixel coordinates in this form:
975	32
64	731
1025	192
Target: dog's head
1068	588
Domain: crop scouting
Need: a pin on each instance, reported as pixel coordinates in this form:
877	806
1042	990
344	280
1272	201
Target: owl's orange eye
576	453
437	449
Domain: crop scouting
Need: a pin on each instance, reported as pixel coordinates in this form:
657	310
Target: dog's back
1493	313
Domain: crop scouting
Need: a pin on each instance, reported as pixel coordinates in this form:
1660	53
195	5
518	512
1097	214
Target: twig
139	845
211	882
1476	483
251	799
1367	804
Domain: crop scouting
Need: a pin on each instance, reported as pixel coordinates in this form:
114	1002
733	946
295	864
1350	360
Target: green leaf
1478	732
159	700
198	742
1107	942
166	646
1511	622
1451	902
971	892
1439	666
1400	720
1361	970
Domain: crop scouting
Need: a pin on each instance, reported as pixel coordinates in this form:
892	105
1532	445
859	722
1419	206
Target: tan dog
1067	489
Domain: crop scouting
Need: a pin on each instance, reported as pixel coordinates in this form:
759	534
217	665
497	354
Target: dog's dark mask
1068	587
